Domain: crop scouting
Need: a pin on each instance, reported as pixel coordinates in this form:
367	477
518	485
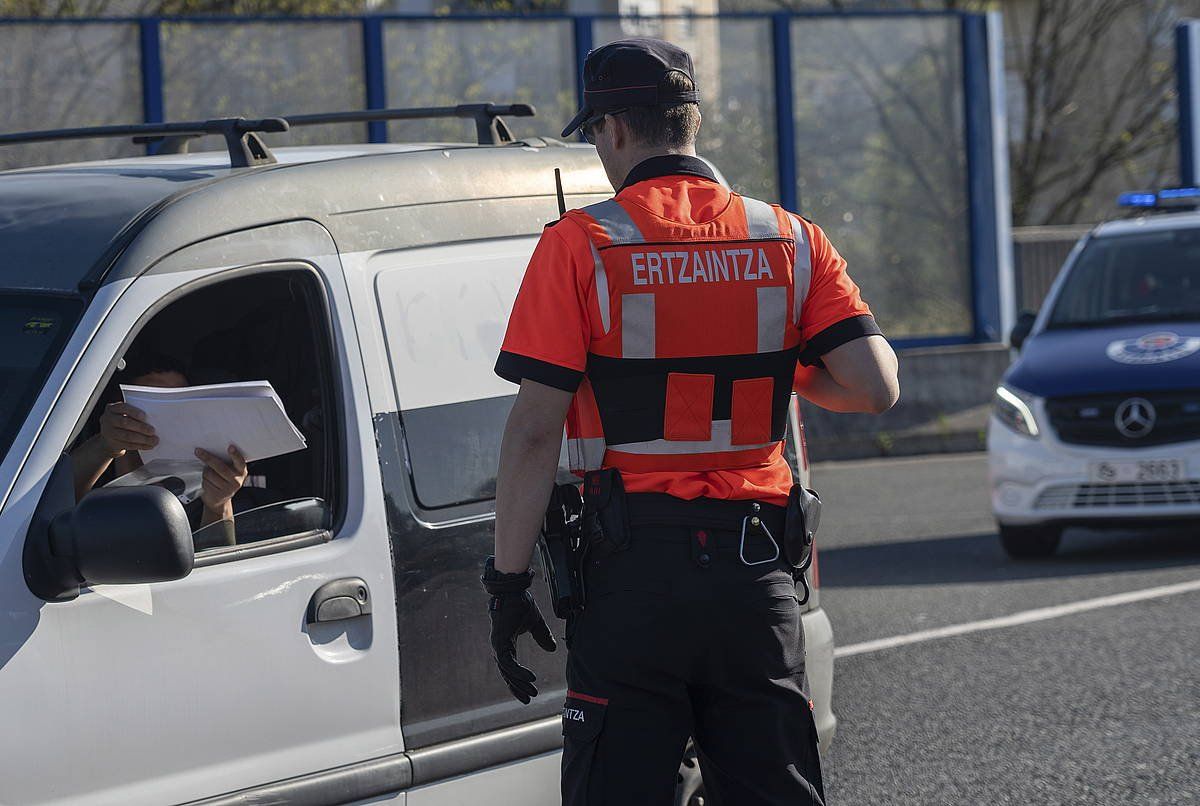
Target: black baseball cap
627	73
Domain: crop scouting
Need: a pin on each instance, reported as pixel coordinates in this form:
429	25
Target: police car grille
1130	494
1090	420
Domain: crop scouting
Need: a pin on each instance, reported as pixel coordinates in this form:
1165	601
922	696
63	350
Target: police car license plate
1138	470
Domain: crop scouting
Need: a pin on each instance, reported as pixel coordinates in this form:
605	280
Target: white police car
1098	421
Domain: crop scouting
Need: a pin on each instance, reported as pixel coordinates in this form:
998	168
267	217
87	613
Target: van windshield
33	329
1149	277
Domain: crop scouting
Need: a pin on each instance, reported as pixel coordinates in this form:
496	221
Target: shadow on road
979	558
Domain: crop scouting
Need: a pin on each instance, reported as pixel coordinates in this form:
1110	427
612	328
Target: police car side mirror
1021	329
118	536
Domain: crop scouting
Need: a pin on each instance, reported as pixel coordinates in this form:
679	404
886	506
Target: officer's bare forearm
527	467
817	386
528	462
860	376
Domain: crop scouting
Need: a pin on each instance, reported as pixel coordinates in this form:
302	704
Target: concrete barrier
945	397
1038	254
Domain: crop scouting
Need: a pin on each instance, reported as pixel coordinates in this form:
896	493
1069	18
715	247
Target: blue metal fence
1187	77
926	241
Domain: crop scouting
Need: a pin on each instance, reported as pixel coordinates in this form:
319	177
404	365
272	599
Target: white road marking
1014	619
895	461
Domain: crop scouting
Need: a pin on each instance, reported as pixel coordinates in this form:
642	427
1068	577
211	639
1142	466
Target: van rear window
33	329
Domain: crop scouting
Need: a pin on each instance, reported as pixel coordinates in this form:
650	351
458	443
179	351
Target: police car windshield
1148	277
33	329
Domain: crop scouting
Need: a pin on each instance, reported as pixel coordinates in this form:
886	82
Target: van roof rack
241	136
490	128
246	148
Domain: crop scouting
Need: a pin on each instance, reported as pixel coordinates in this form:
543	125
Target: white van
337	652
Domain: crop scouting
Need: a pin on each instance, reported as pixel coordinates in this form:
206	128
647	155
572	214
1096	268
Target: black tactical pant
680	638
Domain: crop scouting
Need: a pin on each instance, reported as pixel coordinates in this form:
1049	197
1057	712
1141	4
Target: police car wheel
1025	542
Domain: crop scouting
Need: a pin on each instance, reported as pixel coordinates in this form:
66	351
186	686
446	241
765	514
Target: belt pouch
604	496
800	526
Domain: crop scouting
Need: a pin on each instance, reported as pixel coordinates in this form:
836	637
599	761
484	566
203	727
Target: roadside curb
880	444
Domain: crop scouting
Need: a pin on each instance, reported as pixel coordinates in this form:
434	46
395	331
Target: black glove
514	612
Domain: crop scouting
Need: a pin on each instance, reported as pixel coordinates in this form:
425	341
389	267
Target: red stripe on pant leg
572	695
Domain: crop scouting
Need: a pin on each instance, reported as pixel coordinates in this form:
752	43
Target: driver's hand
124	428
222	478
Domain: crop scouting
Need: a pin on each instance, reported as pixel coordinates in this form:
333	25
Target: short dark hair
139	363
666	126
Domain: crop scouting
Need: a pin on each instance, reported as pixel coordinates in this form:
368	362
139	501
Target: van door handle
339	599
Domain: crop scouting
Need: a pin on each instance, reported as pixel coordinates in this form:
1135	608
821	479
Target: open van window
1148	277
268	326
33	329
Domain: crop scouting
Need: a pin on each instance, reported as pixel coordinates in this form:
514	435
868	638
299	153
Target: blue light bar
1163	199
1187	196
1138	199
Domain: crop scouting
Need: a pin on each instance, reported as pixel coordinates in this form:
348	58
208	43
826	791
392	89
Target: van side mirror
1021	329
118	536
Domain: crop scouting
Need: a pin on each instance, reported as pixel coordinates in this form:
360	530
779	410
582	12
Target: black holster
605	510
561	548
800	531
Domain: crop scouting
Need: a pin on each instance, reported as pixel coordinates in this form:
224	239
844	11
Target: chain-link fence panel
58	76
732	58
264	69
450	62
881	162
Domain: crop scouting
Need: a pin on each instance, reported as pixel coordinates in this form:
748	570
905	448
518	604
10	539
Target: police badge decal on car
1154	348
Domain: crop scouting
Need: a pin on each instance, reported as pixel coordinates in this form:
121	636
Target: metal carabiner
754	520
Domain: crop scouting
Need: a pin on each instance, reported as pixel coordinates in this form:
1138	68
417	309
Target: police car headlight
1013	410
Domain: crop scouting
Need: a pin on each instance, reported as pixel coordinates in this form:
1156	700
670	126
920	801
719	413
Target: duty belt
743	518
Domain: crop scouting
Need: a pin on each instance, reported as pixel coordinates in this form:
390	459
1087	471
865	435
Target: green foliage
509	6
105	8
260	7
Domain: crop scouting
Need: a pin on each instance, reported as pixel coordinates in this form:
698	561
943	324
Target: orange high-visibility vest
700	338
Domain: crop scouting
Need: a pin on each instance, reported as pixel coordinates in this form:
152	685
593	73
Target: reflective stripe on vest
760	219
673	393
601	289
616	222
585	453
802	271
721	440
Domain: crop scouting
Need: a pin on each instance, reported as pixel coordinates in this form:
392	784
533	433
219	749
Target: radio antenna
562	200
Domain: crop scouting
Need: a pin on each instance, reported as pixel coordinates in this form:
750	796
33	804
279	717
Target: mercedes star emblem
1135	417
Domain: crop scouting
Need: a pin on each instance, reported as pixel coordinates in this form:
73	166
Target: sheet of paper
247	414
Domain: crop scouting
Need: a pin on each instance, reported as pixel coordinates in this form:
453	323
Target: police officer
668	327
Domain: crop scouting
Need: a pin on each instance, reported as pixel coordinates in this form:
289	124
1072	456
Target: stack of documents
213	417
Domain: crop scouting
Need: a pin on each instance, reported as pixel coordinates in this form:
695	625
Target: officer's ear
618	131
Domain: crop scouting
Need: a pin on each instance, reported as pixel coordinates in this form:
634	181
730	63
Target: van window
270	327
1147	277
33	329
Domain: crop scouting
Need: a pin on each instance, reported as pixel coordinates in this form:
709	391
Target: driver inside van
123	431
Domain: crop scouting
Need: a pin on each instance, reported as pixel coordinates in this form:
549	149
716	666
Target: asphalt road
1095	707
